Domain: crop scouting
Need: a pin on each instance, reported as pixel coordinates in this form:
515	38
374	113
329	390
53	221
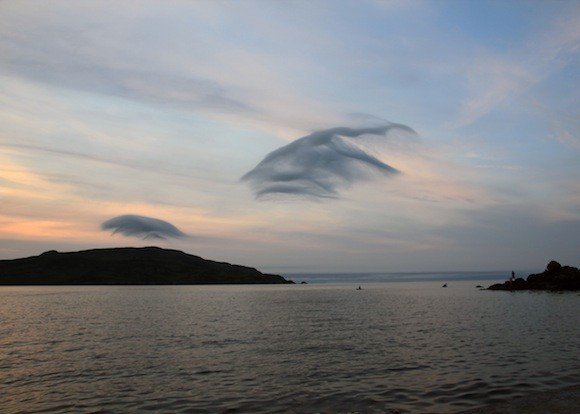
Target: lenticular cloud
319	164
131	225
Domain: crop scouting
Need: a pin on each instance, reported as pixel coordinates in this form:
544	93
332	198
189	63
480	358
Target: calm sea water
327	348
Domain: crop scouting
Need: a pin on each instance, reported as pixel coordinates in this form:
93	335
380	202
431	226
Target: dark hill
126	266
555	277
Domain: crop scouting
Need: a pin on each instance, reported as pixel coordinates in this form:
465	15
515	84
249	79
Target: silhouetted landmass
555	277
127	266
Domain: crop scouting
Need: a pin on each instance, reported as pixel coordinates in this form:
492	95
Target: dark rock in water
127	266
555	277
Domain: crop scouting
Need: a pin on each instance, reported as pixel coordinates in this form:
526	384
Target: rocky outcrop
555	277
127	266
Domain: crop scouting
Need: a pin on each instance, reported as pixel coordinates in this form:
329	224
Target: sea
324	346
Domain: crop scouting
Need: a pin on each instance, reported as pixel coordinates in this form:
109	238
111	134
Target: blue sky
159	108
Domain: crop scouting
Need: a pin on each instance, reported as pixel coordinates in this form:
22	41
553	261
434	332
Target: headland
127	266
555	278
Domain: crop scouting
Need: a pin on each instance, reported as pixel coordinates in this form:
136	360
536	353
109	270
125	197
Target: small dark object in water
444	285
359	288
479	287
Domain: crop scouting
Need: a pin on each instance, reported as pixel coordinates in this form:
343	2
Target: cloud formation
318	164
132	225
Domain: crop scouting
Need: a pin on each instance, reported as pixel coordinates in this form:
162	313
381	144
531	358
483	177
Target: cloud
137	84
318	164
132	225
83	55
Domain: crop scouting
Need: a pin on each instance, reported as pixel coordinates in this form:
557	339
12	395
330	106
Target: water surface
414	347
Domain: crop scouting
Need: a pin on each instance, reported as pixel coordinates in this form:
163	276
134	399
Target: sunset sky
164	109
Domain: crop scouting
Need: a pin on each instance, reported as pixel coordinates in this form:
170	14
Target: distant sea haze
376	277
413	347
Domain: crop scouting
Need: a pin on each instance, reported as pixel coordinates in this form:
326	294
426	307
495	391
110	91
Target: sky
294	136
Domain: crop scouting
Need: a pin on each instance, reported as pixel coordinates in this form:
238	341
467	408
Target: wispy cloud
495	78
131	225
567	129
205	73
319	164
132	83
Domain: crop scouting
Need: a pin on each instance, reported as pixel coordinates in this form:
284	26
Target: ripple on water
280	349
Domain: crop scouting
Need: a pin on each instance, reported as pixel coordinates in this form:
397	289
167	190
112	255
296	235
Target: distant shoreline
395	277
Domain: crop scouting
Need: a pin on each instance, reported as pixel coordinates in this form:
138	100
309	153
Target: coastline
559	401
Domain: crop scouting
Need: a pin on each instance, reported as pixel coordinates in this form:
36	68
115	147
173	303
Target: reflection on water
306	348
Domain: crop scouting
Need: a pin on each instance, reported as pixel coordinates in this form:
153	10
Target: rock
499	286
49	252
556	277
553	266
